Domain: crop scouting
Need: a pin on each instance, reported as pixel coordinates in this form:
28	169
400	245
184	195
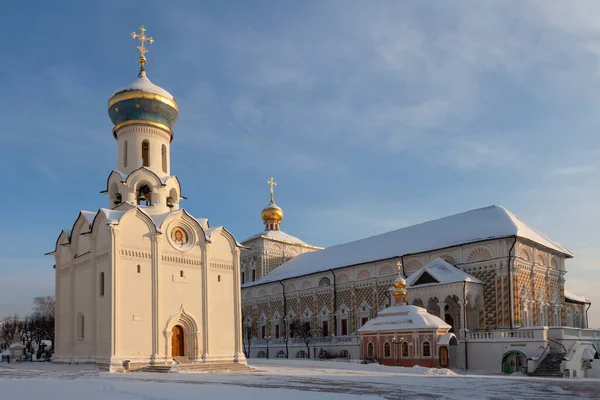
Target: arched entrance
177	345
444	363
514	361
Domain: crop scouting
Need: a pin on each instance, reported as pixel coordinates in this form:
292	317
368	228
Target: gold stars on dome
142	47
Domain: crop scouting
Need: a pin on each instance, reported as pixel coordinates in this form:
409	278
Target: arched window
139	269
218	278
387	351
163	152
146	153
80	326
426	349
281	354
404	349
324	282
144	196
344	353
370	350
181	274
125	154
101	284
569	317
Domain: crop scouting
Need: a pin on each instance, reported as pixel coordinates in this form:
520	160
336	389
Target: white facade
142	282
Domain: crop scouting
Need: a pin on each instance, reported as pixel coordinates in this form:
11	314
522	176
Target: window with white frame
387	350
426	349
404	352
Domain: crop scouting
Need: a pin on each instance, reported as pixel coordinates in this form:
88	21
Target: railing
516	334
564	349
534	362
480	335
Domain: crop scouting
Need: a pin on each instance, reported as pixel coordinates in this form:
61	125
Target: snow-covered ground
277	379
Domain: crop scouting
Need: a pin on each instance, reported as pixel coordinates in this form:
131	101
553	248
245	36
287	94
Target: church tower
269	249
142	283
272	214
143	115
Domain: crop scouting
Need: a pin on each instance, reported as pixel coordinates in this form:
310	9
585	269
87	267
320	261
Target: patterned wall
532	268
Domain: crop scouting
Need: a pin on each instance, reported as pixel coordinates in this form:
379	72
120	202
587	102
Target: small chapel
142	283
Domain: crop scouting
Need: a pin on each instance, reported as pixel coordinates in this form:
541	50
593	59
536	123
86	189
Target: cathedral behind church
493	289
142	282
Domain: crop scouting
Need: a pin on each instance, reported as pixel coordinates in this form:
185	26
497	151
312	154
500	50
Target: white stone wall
149	287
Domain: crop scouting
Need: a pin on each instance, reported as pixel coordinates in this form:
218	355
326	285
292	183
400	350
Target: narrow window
426	349
101	284
181	274
253	275
404	349
263	331
243	281
80	327
277	331
387	352
325	328
364	320
164	158
146	153
139	269
344	327
218	278
370	350
125	154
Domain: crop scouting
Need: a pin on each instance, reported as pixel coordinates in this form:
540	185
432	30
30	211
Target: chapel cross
142	47
272	183
399	265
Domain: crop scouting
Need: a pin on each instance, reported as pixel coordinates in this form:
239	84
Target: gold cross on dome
272	183
143	39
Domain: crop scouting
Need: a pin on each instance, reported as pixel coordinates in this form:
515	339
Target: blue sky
370	115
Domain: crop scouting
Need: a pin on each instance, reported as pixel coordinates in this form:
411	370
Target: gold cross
272	183
142	47
399	265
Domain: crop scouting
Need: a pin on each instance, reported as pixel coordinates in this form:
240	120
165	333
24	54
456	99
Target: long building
484	272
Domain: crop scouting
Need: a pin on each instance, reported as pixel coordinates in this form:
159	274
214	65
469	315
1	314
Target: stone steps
550	366
185	365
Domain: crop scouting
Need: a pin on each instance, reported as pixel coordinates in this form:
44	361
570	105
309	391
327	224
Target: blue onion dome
143	102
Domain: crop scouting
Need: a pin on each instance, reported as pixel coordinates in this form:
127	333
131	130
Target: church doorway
177	342
444	357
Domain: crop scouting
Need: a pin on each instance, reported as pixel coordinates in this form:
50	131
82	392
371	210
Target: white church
142	283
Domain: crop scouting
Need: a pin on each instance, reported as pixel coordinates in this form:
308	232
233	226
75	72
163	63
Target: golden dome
272	213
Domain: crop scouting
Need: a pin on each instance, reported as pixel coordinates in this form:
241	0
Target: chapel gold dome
272	212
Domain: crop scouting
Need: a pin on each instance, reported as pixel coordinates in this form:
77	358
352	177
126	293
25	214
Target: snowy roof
143	83
403	318
575	297
278	235
486	223
443	272
114	217
89	216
